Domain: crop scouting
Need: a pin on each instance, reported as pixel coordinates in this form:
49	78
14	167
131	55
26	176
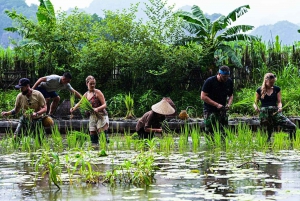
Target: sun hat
163	107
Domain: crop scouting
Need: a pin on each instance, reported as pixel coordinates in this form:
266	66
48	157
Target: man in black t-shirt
215	92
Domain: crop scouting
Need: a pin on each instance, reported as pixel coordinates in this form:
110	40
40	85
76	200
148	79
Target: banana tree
212	36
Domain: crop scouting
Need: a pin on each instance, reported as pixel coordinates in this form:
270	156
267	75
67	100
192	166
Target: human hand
72	109
257	109
279	109
4	114
227	107
219	106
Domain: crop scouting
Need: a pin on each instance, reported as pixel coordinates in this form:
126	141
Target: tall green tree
212	35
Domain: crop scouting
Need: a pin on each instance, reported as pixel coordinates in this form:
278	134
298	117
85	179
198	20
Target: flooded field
179	168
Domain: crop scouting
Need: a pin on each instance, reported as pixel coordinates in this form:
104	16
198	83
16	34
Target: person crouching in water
33	106
98	121
150	122
270	112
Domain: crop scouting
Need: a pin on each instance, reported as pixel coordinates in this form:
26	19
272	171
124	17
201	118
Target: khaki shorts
97	123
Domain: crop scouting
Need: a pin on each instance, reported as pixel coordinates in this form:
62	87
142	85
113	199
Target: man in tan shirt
31	103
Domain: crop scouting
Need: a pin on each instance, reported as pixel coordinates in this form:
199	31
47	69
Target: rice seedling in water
167	144
296	142
128	139
195	139
182	143
261	140
281	141
102	141
52	167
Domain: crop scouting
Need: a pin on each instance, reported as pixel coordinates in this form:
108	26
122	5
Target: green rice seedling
281	141
151	144
195	139
182	144
76	139
57	139
217	136
72	99
261	140
102	141
51	167
185	130
167	144
128	139
296	142
129	103
86	106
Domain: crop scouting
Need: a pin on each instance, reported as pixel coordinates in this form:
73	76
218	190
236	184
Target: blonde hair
263	86
89	78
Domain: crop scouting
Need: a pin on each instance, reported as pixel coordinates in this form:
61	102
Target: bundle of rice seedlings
86	106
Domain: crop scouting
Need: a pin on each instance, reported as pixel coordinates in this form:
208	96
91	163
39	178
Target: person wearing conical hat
150	122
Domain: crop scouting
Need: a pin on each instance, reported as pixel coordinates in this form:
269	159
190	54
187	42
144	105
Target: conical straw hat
163	107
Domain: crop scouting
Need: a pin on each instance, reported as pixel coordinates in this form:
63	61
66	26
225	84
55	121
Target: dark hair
67	75
225	68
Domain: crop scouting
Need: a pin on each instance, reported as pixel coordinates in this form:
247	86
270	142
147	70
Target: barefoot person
48	86
98	121
31	103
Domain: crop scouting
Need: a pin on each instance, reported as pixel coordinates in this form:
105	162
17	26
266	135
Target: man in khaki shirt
31	103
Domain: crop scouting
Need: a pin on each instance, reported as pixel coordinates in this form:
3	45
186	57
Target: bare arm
206	99
77	94
102	100
156	130
12	112
39	81
279	103
41	111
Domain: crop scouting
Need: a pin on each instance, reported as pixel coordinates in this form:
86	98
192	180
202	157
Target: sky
262	12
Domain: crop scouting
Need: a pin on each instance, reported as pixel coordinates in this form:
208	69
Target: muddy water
215	177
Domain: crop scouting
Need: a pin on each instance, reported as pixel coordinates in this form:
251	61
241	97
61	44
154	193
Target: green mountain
21	7
286	31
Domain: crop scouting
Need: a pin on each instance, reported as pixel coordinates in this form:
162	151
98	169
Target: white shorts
96	123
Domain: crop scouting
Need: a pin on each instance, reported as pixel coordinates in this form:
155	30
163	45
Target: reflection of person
26	101
215	92
270	113
98	121
150	122
48	86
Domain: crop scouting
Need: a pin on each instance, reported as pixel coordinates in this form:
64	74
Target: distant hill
21	7
286	31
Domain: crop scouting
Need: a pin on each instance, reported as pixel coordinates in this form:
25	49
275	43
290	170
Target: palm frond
236	37
236	13
237	29
231	54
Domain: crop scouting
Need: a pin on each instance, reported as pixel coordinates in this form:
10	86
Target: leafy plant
129	102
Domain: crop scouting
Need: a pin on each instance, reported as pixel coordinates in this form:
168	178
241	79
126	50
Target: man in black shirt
215	92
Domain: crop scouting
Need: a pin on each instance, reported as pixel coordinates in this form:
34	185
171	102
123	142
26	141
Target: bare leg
54	105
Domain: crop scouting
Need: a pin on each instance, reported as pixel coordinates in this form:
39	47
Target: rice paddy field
237	165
